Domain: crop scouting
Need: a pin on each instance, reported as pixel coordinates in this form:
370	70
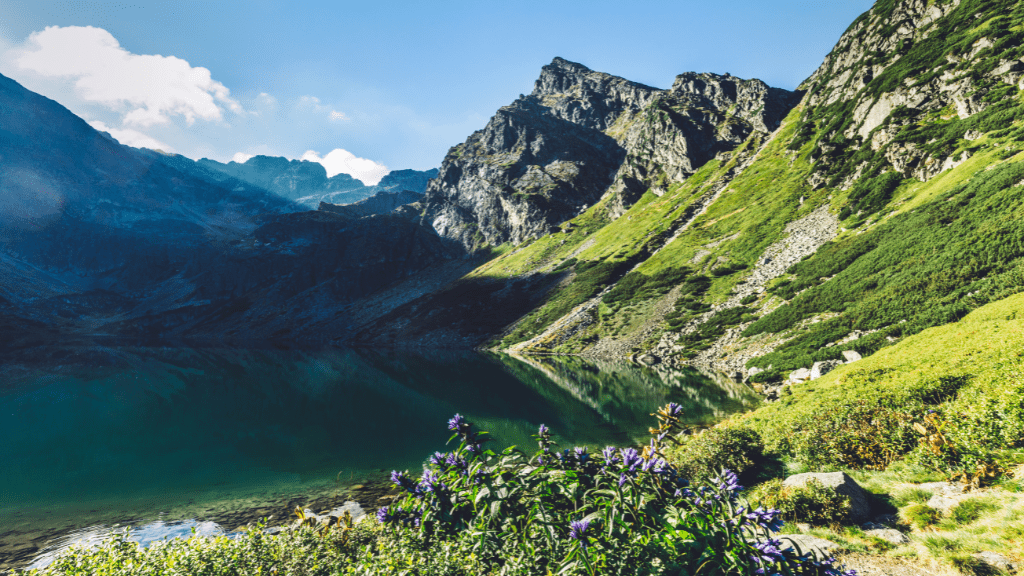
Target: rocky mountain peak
753	100
595	100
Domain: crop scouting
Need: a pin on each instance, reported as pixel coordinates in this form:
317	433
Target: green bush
812	503
701	456
867	434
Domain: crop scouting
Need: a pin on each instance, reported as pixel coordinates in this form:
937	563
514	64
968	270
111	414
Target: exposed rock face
700	117
519	177
411	180
580	134
862	72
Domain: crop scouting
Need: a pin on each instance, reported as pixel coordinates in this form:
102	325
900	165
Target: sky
370	86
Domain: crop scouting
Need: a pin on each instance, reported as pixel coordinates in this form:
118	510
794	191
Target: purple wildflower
766	518
630	457
578	529
402	481
674	409
543	431
729	481
609	455
456	423
384	516
767	552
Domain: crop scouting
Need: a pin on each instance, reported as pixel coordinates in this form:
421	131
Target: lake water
165	438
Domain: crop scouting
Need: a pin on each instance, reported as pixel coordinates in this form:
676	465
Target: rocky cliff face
582	134
899	67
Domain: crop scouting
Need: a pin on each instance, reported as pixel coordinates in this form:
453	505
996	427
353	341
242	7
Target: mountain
729	225
307	183
102	239
550	155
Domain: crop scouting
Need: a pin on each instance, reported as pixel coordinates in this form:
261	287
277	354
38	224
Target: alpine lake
167	440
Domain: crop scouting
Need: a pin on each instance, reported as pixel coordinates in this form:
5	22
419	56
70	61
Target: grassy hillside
926	200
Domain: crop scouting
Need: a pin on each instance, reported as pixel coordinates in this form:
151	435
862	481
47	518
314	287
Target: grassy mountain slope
891	194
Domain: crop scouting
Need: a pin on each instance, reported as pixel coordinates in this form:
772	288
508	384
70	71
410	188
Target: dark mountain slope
101	238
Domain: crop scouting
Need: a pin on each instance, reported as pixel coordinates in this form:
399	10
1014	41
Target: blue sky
385	85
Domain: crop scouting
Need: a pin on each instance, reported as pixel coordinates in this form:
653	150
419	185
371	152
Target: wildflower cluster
571	511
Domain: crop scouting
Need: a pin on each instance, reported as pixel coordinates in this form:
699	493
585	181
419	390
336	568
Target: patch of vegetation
950	398
700	457
812	503
919	269
919	516
637	286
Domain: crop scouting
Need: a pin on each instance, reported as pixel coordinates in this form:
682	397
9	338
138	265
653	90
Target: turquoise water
105	435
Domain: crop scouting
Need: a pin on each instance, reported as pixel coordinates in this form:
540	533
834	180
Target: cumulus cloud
336	116
145	89
241	157
338	161
130	137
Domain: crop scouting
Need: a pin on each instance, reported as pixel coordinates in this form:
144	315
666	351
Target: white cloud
241	157
336	116
145	89
337	161
130	137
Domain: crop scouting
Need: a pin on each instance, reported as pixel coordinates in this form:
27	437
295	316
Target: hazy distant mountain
307	183
100	238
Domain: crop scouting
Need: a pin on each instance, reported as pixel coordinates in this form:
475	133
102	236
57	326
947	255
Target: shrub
812	503
741	450
919	515
867	434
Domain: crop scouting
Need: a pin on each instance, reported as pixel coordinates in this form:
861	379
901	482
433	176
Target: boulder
841	483
851	356
819	369
995	560
801	375
807	544
890	535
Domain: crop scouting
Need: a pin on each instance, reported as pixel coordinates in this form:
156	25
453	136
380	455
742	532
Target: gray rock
841	483
995	560
819	369
851	355
889	535
648	359
807	544
944	502
800	375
